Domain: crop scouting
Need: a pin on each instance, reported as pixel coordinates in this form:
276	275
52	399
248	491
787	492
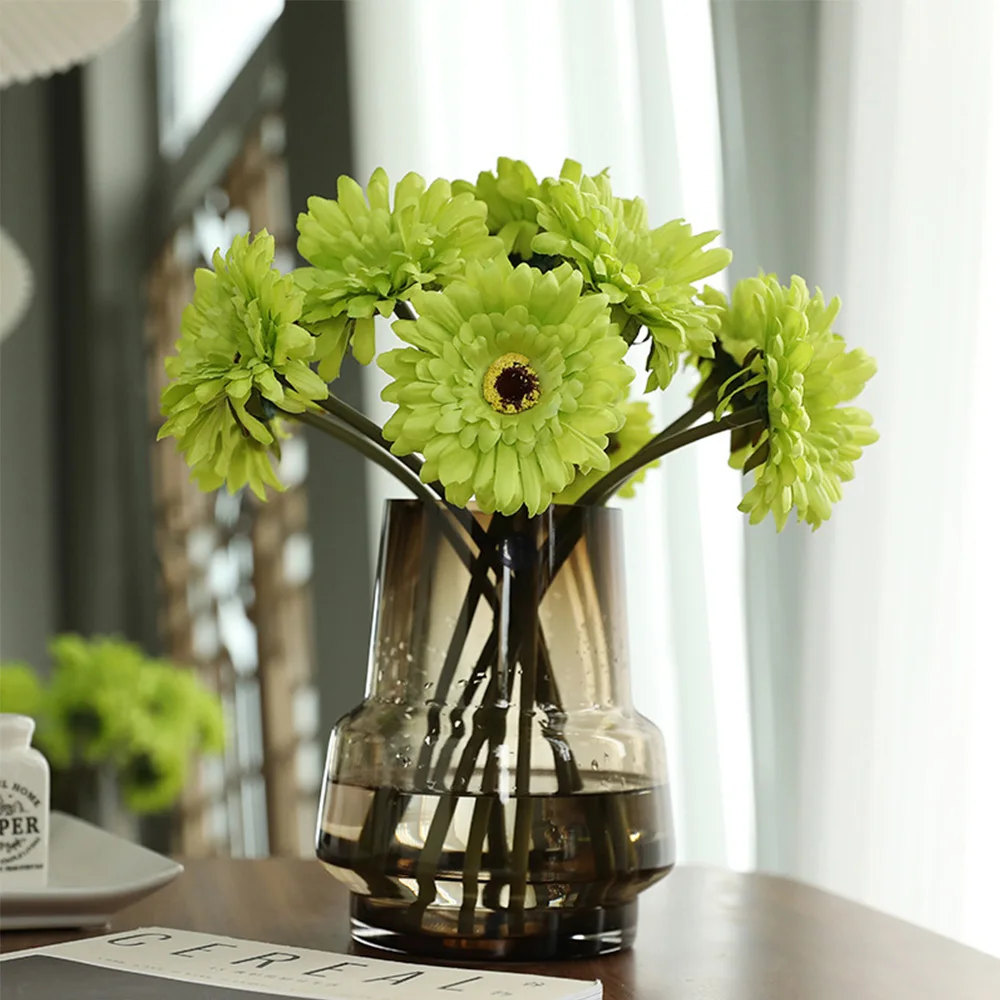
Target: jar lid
15	730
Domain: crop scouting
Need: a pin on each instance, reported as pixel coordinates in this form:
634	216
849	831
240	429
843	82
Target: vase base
545	934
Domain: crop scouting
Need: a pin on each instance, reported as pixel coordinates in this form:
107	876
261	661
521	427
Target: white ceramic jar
24	807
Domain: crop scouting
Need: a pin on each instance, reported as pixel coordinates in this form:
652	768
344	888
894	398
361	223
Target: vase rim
589	510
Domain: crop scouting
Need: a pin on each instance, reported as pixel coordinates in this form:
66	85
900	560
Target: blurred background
830	701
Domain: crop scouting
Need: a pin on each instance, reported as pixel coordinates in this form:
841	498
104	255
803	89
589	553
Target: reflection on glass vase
496	795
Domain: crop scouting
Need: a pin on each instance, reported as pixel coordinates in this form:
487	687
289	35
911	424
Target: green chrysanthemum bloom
175	699
783	337
509	195
154	775
514	381
647	275
636	432
92	698
241	357
368	255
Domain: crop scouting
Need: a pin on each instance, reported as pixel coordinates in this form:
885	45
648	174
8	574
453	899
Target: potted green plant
497	794
110	719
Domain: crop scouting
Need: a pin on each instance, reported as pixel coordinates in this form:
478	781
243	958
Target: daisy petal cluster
367	254
635	433
802	372
646	274
512	384
241	358
510	196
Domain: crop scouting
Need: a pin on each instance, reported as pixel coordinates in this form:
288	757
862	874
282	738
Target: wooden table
703	935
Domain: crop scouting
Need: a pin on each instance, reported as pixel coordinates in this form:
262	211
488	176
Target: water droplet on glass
428	685
594	765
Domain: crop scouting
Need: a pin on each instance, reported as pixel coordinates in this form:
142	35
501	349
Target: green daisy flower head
635	433
240	359
801	372
513	381
510	198
367	254
646	274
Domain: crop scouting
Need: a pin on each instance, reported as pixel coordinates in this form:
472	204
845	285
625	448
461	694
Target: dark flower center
141	771
511	385
543	261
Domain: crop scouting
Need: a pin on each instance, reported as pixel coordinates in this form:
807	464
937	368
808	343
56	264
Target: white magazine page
253	967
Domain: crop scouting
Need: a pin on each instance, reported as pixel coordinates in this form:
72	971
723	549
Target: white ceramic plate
92	875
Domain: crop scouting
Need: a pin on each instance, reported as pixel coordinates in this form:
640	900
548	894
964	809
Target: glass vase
496	795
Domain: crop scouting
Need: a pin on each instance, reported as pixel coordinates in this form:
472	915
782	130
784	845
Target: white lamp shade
39	37
15	284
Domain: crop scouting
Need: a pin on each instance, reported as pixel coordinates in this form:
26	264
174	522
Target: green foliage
106	702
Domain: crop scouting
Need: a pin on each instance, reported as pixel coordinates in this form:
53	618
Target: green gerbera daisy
510	197
635	433
782	337
647	275
514	381
241	357
368	255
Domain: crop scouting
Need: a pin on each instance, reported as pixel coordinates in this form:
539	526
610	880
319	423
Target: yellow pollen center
511	385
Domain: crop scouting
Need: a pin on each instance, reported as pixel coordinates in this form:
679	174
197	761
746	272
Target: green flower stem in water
427	864
479	585
526	596
604	490
483	812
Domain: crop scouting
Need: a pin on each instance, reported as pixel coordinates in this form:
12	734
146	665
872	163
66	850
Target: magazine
159	963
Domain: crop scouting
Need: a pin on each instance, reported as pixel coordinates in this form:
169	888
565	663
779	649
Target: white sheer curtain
444	88
901	689
874	666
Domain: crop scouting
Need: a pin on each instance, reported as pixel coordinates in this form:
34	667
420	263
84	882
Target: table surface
703	935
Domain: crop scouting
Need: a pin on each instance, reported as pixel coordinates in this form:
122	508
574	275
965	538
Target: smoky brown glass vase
496	795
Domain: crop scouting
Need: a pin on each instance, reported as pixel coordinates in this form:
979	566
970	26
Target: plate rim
169	870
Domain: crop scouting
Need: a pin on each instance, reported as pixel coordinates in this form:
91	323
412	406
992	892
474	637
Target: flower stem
479	585
448	516
526	585
702	405
336	427
371	430
608	485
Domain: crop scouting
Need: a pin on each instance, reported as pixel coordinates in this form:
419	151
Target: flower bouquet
497	794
